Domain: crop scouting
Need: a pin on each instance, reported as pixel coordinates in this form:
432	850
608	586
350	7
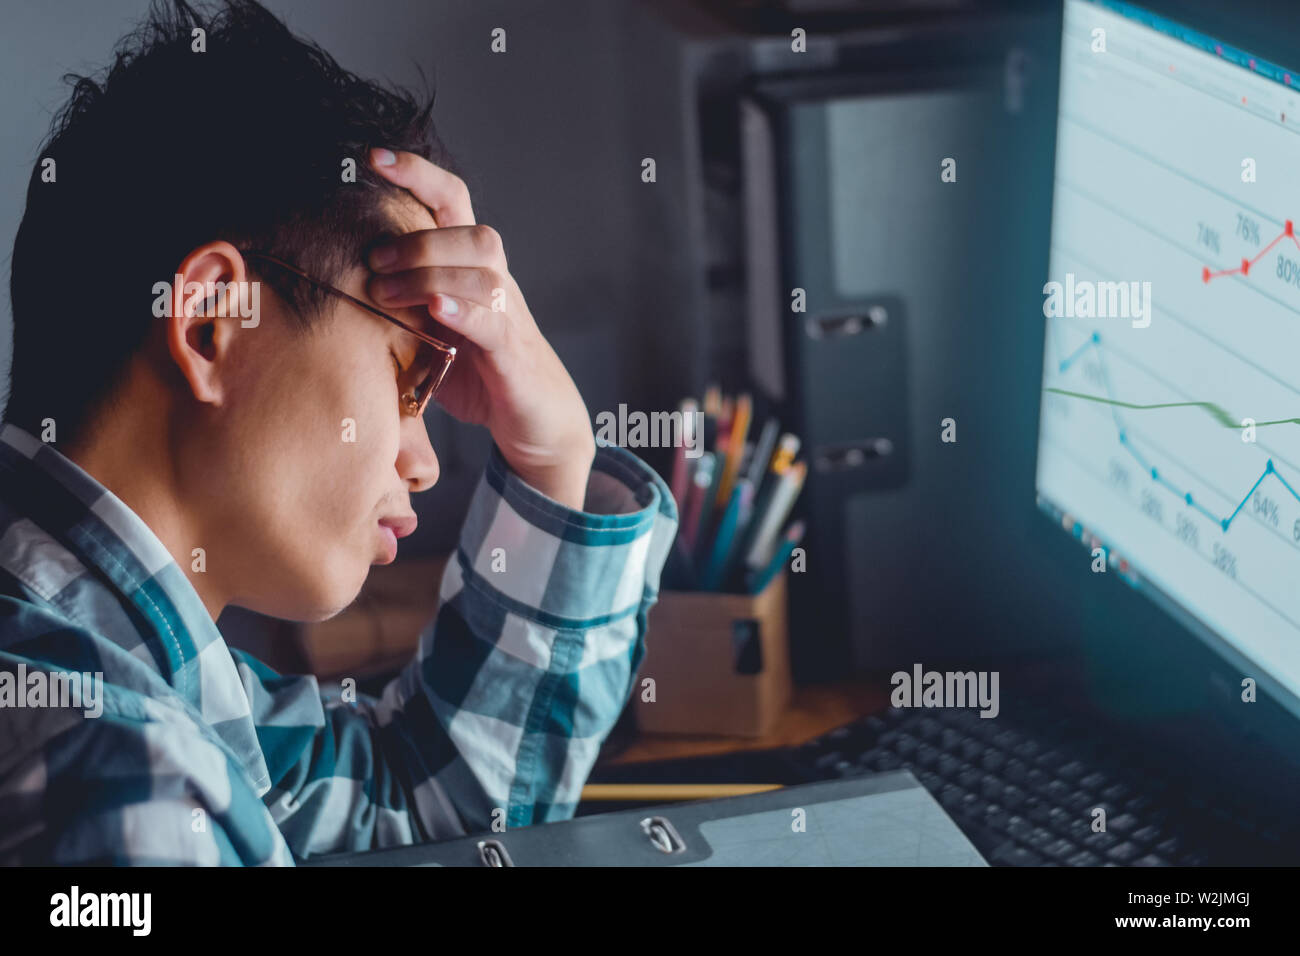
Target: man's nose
417	464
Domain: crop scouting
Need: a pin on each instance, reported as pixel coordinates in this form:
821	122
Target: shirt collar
169	622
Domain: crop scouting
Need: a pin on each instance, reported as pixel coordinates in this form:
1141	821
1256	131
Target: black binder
885	819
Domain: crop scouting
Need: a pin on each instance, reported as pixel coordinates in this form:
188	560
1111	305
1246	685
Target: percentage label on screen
1207	236
1288	270
1265	508
1225	560
1248	229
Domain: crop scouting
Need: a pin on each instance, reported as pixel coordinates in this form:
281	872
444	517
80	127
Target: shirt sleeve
515	684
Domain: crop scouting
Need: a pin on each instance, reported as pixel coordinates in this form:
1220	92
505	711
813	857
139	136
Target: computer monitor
1169	438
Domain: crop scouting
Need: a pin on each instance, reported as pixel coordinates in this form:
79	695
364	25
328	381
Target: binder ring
493	853
663	835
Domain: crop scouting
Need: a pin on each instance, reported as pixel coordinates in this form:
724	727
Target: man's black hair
173	148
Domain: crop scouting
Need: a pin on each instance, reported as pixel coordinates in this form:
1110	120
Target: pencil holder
720	663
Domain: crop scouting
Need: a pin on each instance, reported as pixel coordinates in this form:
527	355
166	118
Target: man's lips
401	526
390	529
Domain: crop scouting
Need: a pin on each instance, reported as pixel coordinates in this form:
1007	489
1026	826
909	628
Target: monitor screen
1169	441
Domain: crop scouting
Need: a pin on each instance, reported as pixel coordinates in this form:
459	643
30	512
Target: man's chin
311	605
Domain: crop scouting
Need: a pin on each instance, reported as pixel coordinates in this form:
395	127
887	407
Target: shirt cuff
566	568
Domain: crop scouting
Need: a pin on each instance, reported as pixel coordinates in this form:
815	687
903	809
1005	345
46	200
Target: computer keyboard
1023	789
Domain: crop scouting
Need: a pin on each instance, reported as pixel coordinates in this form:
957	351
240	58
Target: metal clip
849	455
662	834
832	326
493	853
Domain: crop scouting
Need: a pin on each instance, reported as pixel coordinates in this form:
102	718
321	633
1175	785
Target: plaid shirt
204	755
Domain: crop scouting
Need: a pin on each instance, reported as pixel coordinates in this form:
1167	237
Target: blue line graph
1094	343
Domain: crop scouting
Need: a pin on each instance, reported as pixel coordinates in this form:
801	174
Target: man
238	279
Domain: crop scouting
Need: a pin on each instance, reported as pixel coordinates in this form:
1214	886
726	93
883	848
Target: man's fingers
444	193
483	327
417	286
453	246
474	290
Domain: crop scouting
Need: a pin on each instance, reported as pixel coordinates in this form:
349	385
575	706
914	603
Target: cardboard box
720	663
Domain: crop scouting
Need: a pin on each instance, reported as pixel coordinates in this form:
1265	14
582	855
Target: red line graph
1288	232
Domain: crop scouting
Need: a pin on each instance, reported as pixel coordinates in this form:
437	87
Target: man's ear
210	305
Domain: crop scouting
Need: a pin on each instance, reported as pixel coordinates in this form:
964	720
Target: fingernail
384	157
383	256
447	306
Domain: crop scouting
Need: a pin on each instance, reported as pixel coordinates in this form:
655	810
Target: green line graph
1217	412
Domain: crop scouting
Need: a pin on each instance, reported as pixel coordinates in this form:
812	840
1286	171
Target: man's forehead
405	214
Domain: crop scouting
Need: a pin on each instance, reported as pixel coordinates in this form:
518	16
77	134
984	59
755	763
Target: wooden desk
814	710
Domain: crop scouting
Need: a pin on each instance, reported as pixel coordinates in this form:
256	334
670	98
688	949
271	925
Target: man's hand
506	375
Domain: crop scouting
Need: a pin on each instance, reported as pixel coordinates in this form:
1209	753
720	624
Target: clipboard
885	819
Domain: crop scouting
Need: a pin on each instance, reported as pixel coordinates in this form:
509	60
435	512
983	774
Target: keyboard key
1041	837
1056	790
874	726
1011	854
991	787
1027	749
998	818
1078	800
1095	781
1083	858
888	761
1100	842
1018	826
1060	850
1040	812
1123	852
1147	835
1015	771
1125	823
1006	740
930	780
929	729
1071	771
1061	819
1049	760
1139	802
1013	796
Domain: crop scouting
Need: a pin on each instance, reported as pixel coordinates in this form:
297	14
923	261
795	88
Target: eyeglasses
433	357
